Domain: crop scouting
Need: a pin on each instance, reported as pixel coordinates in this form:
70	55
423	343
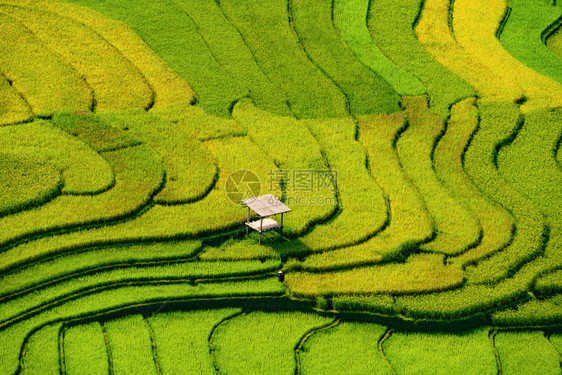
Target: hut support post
247	221
281	228
261	228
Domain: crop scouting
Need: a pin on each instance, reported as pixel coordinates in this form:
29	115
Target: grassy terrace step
261	342
457	228
533	145
549	283
230	50
364	210
190	168
534	312
40	299
419	274
391	29
138	174
522	36
116	299
232	250
434	32
475	27
440	353
43	79
169	88
131	347
26	181
117	84
266	29
448	158
41	352
350	18
526	352
365	91
410	223
182	339
84	261
296	152
498	123
83	170
85	350
213	213
554	42
170	32
13	107
355	353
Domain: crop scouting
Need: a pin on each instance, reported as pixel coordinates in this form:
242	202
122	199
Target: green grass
82	260
260	342
350	19
366	92
409	222
138	174
231	52
556	340
190	168
182	339
549	284
44	80
496	223
26	181
440	353
233	250
457	228
522	36
268	34
419	274
13	336
526	353
83	170
13	108
42	352
498	124
152	274
535	312
170	32
554	42
390	25
85	350
130	343
170	89
355	352
116	83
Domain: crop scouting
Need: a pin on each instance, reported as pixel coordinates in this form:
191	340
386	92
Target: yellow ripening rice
13	108
44	80
170	89
475	25
117	84
434	34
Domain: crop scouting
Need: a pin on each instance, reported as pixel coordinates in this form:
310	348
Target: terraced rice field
416	142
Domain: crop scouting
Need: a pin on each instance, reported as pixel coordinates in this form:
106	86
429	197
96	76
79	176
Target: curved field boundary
267	31
391	28
85	350
43	79
299	347
536	312
448	159
523	33
170	89
138	173
366	91
457	229
175	33
84	171
116	83
475	27
295	151
14	108
435	35
499	124
410	223
41	352
554	42
350	18
232	53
